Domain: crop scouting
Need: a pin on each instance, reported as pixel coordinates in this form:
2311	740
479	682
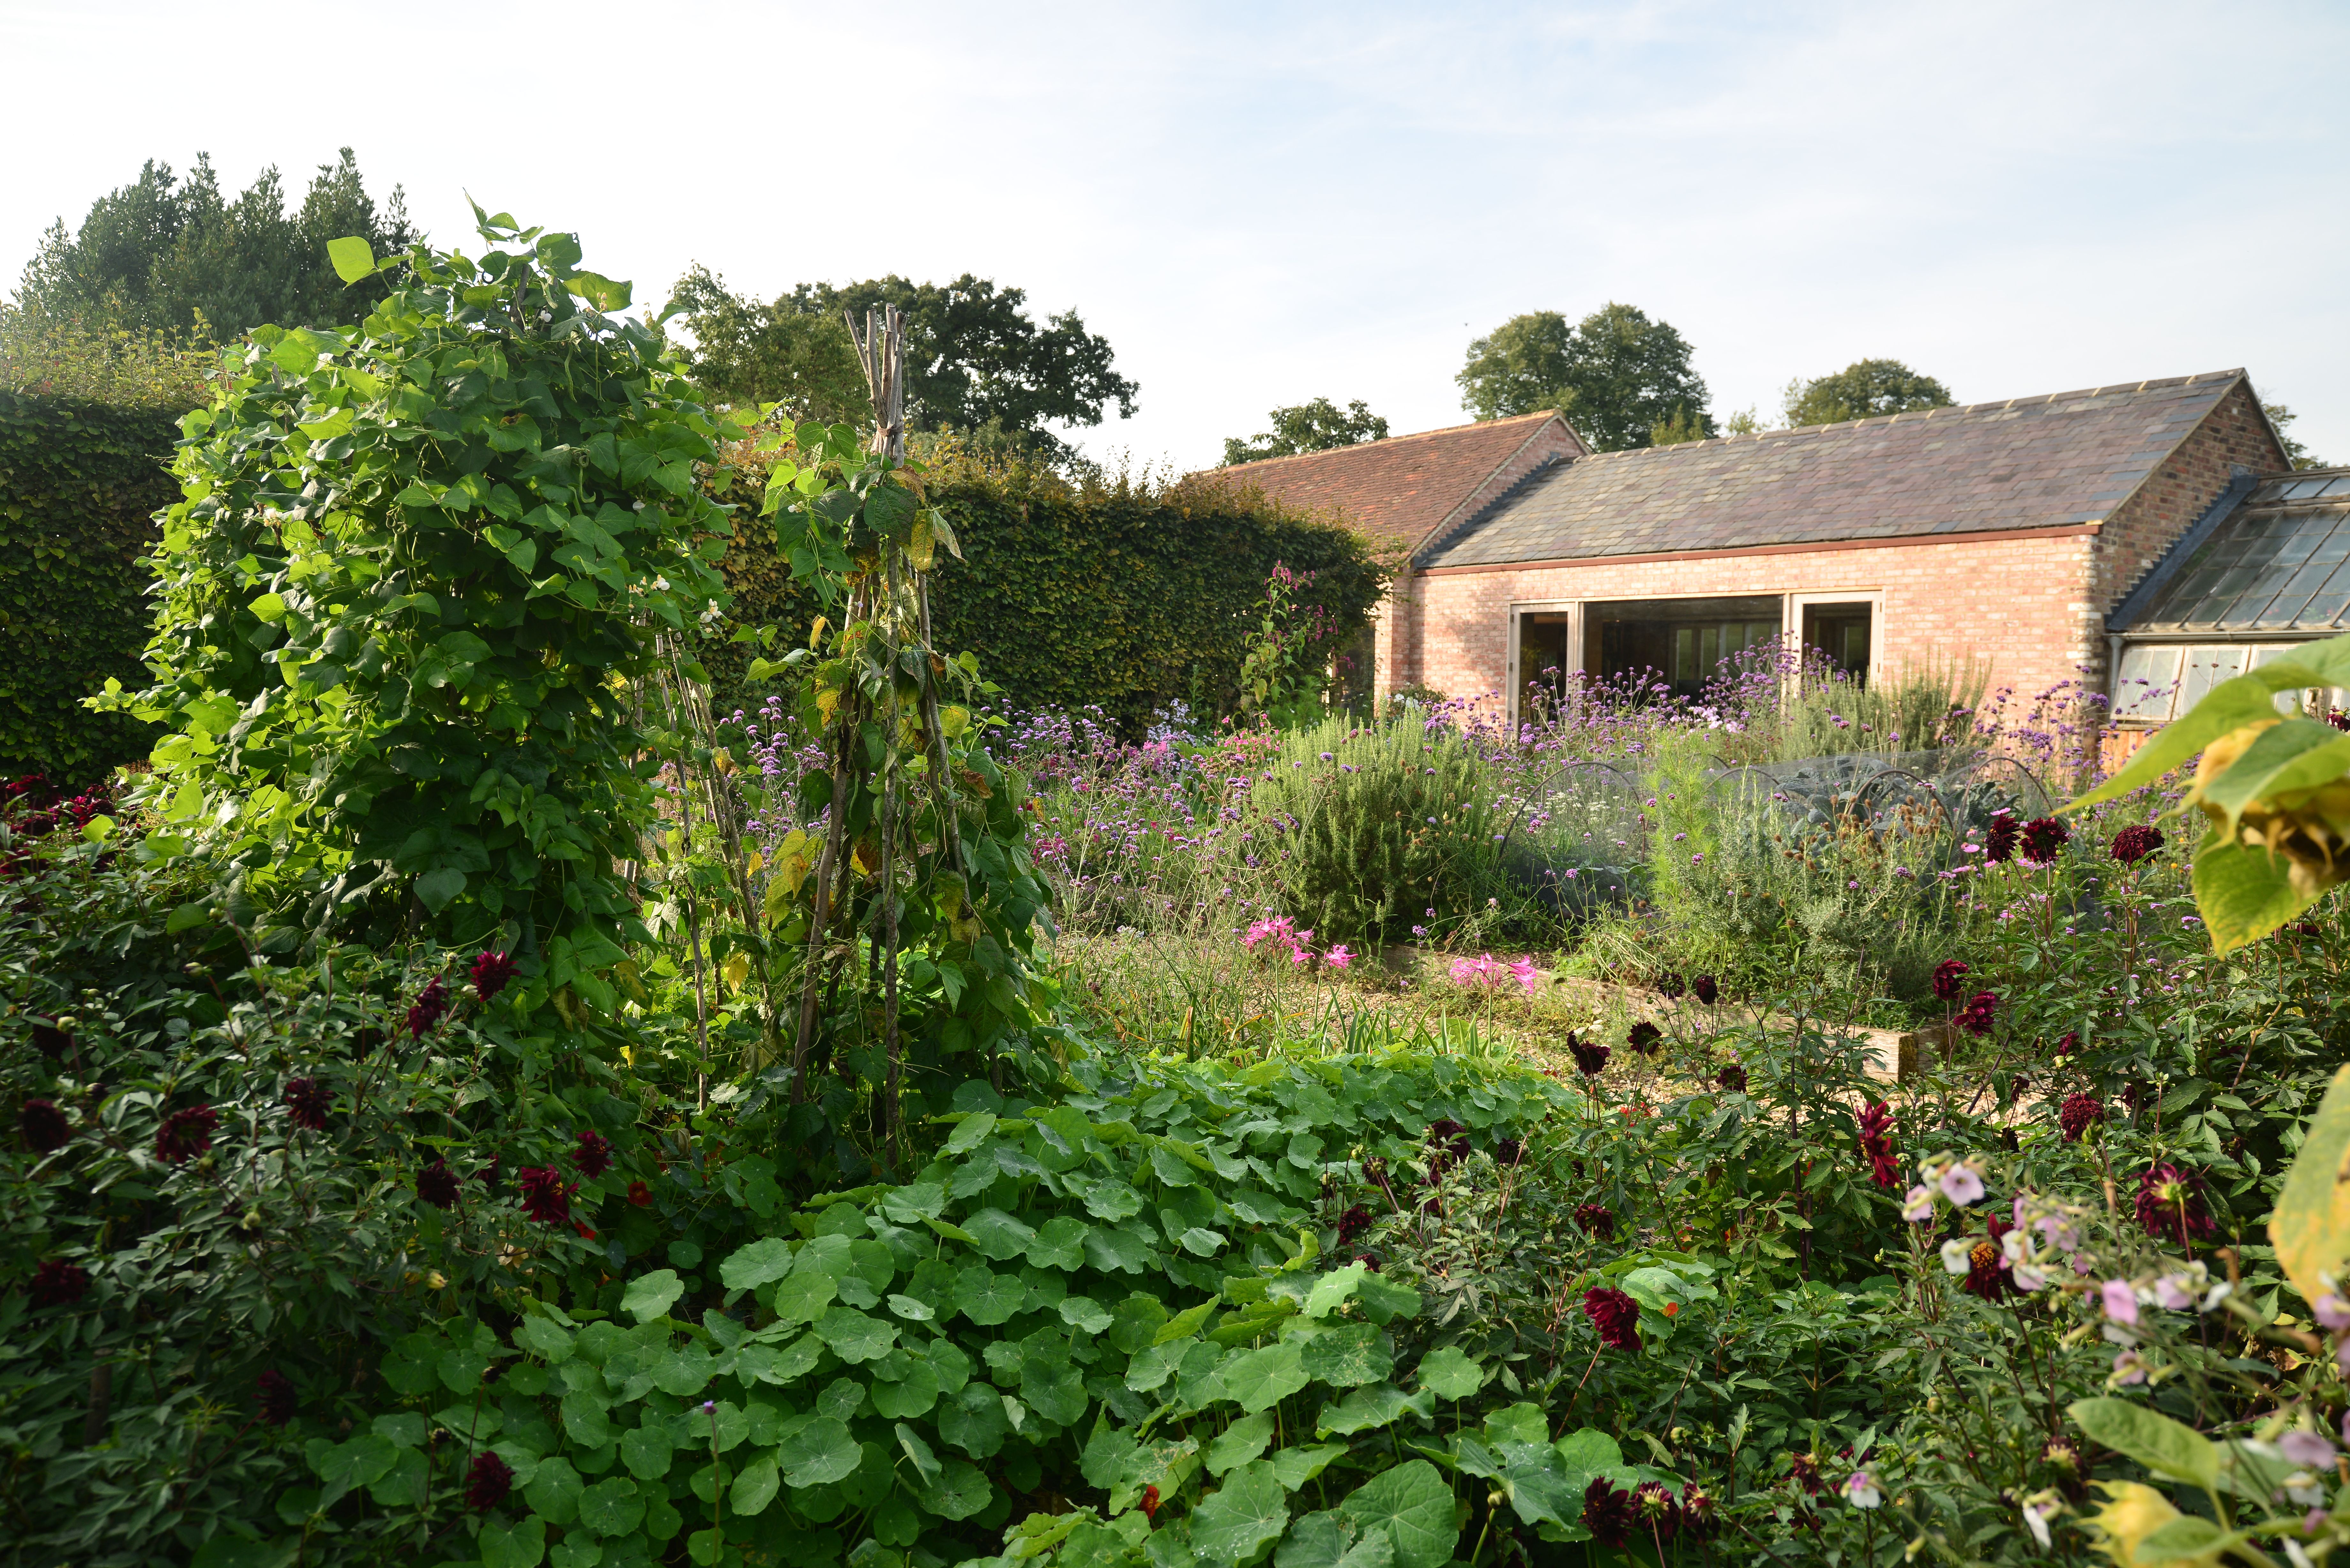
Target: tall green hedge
1118	596
80	483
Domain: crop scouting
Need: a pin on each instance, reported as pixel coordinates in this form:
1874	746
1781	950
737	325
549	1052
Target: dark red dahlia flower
2043	836
640	1195
1979	1015
1643	1037
1351	1224
431	1005
185	1132
1654	1512
1606	1512
545	1196
1375	1172
308	1101
487	1484
491	971
1877	1143
594	1155
1589	1059
1454	1139
2171	1205
1596	1218
1700	1513
1615	1316
2071	1045
279	1403
50	1039
2075	1115
57	1284
2132	845
437	1185
1704	988
1671	987
1732	1078
1509	1152
45	1127
1948	976
1999	843
1804	1469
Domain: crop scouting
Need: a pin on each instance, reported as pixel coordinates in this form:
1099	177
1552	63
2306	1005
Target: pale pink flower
1962	1184
2120	1301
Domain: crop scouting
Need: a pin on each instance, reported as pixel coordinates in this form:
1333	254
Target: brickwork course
1998	532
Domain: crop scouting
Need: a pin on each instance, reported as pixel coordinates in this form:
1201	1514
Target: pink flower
1961	1184
2120	1301
1338	957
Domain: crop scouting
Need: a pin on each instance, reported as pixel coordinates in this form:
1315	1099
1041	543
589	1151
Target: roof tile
1401	489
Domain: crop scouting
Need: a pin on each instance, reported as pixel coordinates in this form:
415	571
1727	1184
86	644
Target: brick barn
2007	532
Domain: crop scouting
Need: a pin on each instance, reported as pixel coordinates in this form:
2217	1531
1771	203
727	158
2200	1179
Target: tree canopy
1862	390
2296	453
976	361
1316	426
166	253
1616	376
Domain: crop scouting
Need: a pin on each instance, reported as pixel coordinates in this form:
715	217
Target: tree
165	255
975	361
775	353
1861	391
2296	453
1615	375
1316	426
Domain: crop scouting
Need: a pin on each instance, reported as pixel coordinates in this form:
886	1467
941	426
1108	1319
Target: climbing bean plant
416	565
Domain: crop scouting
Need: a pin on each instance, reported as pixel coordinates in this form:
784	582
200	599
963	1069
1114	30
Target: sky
1258	204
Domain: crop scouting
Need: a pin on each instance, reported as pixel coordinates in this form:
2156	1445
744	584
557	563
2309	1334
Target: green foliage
1316	426
2296	453
976	361
1120	597
773	353
1285	671
412	559
163	254
1615	375
79	481
1863	389
1368	828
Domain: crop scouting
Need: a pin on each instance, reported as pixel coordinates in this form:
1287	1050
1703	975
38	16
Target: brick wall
2172	497
2020	605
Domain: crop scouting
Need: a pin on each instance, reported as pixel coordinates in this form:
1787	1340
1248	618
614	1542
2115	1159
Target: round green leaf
1348	1356
988	1298
650	1296
1412	1507
1260	1379
613	1506
1238	1521
753	1488
910	1396
802	1296
819	1452
646	1452
750	1267
1060	1243
1450	1374
960	1492
853	1336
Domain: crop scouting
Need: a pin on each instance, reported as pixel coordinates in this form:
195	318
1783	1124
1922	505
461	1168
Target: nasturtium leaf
403	1429
793	1362
1239	1443
975	1421
646	1452
361	1462
1202	1242
911	1310
1294	1467
1135	1323
960	1492
1449	1374
1060	1243
1588	1451
1259	1379
988	1298
754	1487
1412	1507
910	1396
1107	1200
1333	1288
1056	1393
915	1201
650	1296
998	1235
520	1547
1376	1406
842	1398
820	1452
748	1268
853	1336
1155	1363
1319	1541
1518	1424
1348	1356
972	1132
613	1506
917	1452
541	1338
1085	1314
584	1418
1117	1251
1238	1521
554	1491
405	1485
1384	1301
1184	1323
684	1372
462	1368
1170	1167
803	1297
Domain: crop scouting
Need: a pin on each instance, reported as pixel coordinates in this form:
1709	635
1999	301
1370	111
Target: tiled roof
1399	490
2030	462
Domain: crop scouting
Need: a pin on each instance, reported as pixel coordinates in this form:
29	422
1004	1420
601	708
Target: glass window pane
2146	681
2206	667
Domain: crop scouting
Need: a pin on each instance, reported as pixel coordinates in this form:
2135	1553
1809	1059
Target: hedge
79	481
1121	598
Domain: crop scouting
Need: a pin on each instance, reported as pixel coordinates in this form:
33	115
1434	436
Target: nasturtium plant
417	565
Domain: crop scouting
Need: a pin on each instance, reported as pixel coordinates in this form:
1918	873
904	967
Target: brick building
2006	532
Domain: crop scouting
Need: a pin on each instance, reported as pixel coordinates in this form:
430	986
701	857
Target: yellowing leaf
2311	1226
736	971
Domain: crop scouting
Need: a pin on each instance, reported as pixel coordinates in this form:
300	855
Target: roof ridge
1434	543
1393	440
